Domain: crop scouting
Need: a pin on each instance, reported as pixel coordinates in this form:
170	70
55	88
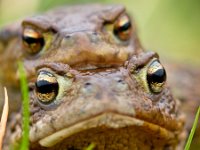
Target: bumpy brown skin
101	98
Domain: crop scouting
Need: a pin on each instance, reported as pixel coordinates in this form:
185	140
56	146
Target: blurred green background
169	27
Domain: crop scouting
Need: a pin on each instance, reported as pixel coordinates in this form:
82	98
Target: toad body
90	81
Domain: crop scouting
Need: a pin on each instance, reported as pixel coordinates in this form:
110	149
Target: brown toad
90	81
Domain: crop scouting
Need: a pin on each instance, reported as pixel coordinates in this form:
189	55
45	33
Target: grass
4	118
90	147
189	141
25	111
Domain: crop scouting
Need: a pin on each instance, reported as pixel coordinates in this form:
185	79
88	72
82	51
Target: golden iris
33	40
46	87
156	76
123	27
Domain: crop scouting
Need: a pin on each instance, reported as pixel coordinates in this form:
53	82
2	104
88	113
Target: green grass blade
90	147
25	111
189	141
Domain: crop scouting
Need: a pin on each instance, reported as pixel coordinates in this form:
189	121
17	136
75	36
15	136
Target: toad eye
123	28
33	40
156	76
46	87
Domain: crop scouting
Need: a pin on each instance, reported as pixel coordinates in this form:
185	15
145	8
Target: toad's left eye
33	40
156	76
123	27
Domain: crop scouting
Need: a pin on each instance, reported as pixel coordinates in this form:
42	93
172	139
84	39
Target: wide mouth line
106	118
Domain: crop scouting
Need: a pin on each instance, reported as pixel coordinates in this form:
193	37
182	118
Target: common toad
90	81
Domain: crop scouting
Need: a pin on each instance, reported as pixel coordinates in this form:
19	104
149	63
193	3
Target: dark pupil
159	76
123	28
45	87
32	40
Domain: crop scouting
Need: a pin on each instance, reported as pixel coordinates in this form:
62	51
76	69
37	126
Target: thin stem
189	141
4	118
25	111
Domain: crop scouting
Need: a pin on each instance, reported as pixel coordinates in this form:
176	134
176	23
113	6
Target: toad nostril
120	84
68	36
94	33
94	37
119	80
89	88
87	84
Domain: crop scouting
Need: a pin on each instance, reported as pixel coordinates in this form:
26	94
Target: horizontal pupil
32	40
157	77
45	87
125	27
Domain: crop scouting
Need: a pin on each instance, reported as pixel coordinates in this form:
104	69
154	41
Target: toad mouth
108	120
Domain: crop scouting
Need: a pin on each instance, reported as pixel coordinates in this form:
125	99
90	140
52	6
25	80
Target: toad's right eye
46	87
33	40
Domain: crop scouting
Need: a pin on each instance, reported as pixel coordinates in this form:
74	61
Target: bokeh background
169	27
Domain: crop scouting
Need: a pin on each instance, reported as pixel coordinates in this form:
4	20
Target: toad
90	81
